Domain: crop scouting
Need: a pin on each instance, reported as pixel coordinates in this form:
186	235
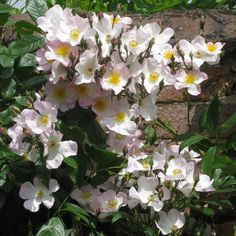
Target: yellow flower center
133	44
43	120
177	172
197	54
86	195
112	203
59	93
115	20
174	228
119	137
108	38
169	54
74	34
39	194
25	157
62	51
151	198
53	144
190	79
81	90
211	47
153	77
100	105
115	78
146	163
89	71
120	117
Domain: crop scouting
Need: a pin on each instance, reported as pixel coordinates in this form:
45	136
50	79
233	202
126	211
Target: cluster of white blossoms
153	182
105	64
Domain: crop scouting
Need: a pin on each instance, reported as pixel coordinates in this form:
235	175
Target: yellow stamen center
115	78
169	54
53	144
43	120
173	228
177	172
211	47
154	77
120	117
62	51
82	90
151	198
133	44
190	79
108	38
112	203
74	34
86	195
119	137
39	194
100	105
89	71
115	20
59	93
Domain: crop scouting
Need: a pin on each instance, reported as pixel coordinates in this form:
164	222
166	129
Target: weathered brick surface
176	115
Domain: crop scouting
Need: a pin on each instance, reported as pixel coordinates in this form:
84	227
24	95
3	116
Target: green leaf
27	60
8	89
210	116
36	8
72	132
4	19
96	134
6	116
229	123
100	177
34	82
103	157
24	26
28	43
150	135
71	161
208	211
6	59
54	227
207	161
21	100
6	73
6	153
77	211
213	160
117	216
191	141
5	8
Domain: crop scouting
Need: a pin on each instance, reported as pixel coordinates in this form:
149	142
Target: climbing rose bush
105	66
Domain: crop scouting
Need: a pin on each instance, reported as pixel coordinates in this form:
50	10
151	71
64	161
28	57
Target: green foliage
141	6
36	8
53	228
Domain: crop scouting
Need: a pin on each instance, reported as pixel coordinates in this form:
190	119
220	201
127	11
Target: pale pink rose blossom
170	222
111	202
37	193
204	184
55	149
190	80
61	94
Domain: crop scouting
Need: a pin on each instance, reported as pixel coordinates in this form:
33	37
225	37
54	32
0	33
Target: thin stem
188	110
